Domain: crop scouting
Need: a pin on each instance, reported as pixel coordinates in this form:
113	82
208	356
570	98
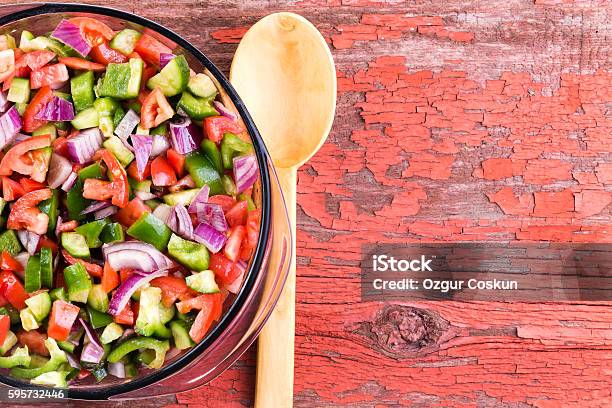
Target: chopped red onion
225	111
128	287
127	124
57	109
213	215
245	172
160	145
10	125
143	145
29	240
105	212
163	212
165	58
70	34
93	352
200	198
184	227
4	102
22	258
67	185
136	255
117	369
95	206
186	137
145	195
82	147
206	234
74	363
58	231
59	170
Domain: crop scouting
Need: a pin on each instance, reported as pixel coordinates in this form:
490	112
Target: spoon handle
275	346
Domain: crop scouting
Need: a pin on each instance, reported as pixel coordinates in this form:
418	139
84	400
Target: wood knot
404	331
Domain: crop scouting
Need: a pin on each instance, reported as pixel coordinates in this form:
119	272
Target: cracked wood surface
456	120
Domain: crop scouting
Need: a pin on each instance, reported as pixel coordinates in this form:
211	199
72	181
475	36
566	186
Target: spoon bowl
285	75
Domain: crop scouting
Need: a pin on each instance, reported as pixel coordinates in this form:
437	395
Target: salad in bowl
127	212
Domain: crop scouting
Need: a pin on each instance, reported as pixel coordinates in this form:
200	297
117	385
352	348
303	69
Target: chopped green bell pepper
98	319
112	232
197	108
50	207
149	321
92	171
150	229
91	231
20	357
211	151
190	254
160	347
75	203
232	146
202	171
58	357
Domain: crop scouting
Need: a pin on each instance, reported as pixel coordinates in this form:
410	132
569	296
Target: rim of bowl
262	159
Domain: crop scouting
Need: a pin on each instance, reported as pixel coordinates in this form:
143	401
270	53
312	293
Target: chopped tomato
216	126
91	268
162	172
117	189
110	278
177	161
42	97
132	171
5	324
68	226
126	316
80	63
83	374
48	76
131	212
155	109
94	30
40	165
12	290
30	185
63	316
226	202
3	301
60	146
197	302
8	263
209	311
252	234
46	242
31	61
17	159
234	241
125	273
35	341
173	288
25	215
11	189
149	49
103	54
225	270
237	215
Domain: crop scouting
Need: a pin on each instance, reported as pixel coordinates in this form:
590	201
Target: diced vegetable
190	254
70	34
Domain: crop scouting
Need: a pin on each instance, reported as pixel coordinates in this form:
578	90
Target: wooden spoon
285	74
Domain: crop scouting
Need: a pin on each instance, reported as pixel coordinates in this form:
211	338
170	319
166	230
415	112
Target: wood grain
457	120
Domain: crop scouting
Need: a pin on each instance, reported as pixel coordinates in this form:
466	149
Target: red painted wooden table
456	120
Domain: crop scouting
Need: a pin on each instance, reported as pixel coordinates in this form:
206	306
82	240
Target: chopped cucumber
98	299
19	92
47	129
81	88
122	81
32	280
180	333
86	119
122	153
9	242
111	333
78	282
173	78
192	255
28	320
203	282
40	305
46	267
125	41
9	342
201	85
184	197
75	244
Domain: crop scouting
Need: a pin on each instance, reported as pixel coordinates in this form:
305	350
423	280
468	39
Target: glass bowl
267	270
